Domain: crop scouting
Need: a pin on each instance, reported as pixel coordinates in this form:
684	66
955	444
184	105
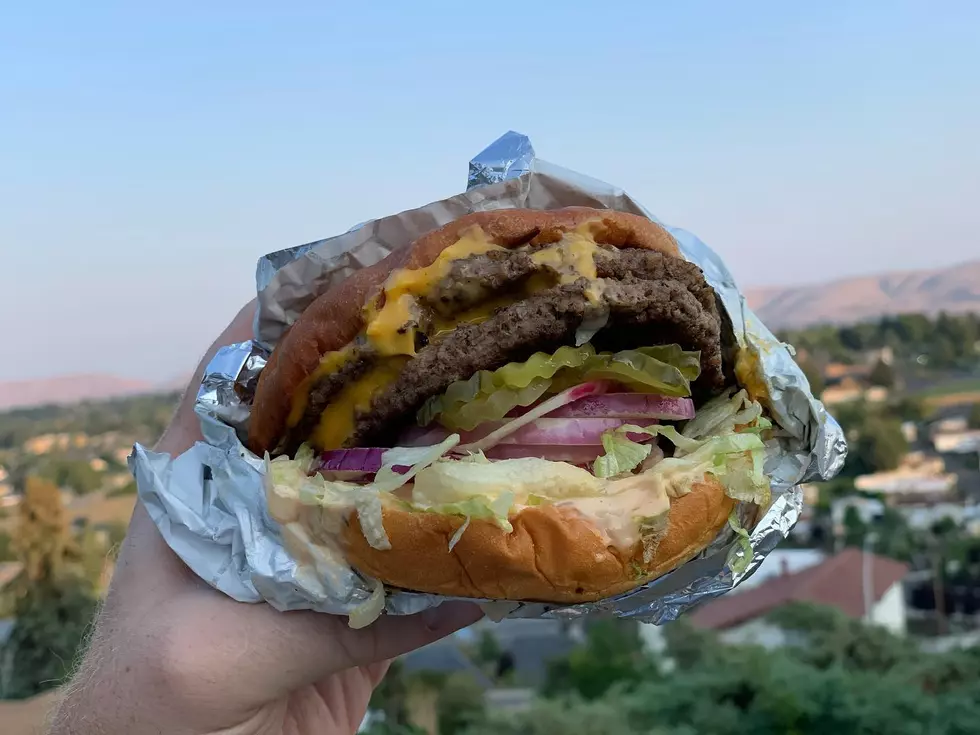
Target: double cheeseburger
521	405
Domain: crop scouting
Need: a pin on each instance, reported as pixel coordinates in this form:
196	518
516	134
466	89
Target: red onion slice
631	406
357	459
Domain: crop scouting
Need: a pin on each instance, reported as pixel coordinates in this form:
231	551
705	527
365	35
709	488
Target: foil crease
209	503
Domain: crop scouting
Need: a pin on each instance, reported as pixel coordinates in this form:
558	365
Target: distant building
531	645
925	517
847	581
849	390
527	647
919	479
779	563
910	430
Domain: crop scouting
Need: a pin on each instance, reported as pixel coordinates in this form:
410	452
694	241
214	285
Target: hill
69	389
955	290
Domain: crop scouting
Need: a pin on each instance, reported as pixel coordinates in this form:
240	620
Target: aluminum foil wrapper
209	503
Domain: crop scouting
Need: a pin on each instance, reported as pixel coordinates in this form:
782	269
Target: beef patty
650	299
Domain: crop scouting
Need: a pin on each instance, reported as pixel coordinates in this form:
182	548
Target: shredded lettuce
622	455
736	460
739	562
491	508
724	413
369	610
722	440
414	458
490	395
289	484
459	534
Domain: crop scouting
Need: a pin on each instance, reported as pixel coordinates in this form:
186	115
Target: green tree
6	548
973	418
813	376
613	652
882	374
460	704
854	528
881	445
487	650
53	601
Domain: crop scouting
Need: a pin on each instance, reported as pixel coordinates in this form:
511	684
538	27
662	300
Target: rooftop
837	582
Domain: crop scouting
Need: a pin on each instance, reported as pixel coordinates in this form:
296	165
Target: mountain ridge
955	289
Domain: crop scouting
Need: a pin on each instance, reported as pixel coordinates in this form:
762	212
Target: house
850	389
863	586
919	479
530	645
957	442
966	515
781	562
953	435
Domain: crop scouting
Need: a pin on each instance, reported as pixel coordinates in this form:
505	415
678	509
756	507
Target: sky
151	152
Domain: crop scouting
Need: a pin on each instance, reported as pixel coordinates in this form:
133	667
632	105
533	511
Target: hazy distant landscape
954	290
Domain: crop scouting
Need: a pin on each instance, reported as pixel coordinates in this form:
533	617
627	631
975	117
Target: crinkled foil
209	503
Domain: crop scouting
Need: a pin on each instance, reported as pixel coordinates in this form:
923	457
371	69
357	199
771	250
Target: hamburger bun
534	279
552	555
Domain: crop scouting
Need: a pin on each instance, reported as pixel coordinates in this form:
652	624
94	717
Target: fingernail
451	616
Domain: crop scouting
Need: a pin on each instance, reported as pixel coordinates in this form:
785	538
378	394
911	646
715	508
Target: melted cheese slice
391	328
338	419
329	364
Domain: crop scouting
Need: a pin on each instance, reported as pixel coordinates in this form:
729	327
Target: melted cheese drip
329	364
337	421
390	328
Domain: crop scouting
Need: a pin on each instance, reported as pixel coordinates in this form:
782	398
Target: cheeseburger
521	405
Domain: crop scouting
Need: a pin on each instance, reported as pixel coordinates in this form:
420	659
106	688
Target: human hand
169	654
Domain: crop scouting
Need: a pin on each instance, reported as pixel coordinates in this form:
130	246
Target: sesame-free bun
553	554
335	318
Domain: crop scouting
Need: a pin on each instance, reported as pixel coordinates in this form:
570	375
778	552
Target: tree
613	652
974	416
881	445
6	550
53	601
813	376
882	374
855	529
460	704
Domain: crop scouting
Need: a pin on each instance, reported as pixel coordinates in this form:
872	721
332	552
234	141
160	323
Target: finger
274	653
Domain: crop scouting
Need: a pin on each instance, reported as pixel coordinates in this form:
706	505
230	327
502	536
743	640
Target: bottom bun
552	555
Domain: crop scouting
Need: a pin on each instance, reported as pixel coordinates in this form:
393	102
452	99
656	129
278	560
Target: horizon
178	380
166	149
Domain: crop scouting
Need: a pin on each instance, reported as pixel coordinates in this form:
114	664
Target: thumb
294	649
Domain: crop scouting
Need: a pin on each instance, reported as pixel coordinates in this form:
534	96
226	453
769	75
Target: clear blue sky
150	152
